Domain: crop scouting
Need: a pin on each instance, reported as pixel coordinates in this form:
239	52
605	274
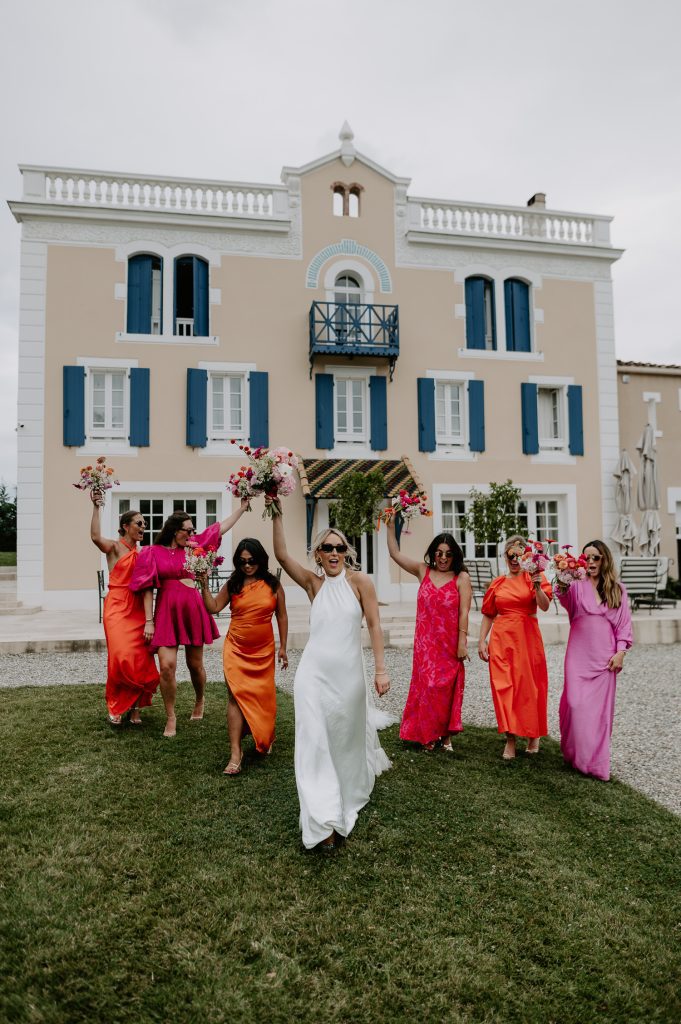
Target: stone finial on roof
346	135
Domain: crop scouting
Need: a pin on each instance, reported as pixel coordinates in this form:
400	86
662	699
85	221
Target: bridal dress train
337	753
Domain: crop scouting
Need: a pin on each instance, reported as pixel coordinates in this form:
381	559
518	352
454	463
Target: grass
8	558
140	886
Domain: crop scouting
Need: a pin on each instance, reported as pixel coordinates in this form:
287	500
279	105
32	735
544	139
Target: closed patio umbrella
648	495
624	533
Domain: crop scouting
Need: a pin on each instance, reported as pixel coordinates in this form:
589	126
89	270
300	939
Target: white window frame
444	449
107	432
559	413
103	444
497	276
345	447
221	446
227	432
555	455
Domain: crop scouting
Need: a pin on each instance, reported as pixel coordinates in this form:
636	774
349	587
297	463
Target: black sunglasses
593	558
247	561
512	558
328	548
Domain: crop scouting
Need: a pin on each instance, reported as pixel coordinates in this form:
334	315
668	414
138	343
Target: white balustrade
143	193
512	222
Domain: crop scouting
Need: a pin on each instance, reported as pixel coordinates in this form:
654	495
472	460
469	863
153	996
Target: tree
359	499
8	519
494	516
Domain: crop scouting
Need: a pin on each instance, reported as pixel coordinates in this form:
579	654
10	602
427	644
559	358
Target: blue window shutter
426	406
476	415
379	414
74	406
575	419
200	274
139	408
139	294
517	303
259	430
528	401
475	312
323	383
197	407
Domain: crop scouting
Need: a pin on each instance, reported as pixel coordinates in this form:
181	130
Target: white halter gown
337	753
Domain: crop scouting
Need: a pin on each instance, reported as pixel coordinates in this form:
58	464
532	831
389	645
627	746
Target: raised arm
370	608
214	603
417	569
229	522
282	626
105	545
298	573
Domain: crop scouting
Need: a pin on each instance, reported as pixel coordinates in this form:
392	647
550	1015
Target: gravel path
646	739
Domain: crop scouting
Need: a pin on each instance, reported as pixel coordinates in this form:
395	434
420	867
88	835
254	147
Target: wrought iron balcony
354	329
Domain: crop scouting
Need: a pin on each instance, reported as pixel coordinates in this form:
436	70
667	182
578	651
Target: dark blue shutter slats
74	406
323	383
200	276
475	312
426	413
575	419
476	415
528	401
197	407
259	429
517	306
139	408
379	414
139	295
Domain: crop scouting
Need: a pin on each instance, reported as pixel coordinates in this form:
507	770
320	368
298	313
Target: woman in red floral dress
433	708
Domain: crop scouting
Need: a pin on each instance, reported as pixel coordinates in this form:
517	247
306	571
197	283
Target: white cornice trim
471	241
330	158
122	215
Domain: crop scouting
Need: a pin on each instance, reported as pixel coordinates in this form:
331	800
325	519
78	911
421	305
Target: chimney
538	200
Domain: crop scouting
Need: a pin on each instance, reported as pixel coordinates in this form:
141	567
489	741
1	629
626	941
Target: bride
337	753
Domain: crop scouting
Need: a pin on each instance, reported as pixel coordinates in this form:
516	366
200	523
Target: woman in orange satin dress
132	675
254	595
517	664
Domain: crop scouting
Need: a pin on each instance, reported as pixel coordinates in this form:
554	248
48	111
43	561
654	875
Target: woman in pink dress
180	616
433	709
600	635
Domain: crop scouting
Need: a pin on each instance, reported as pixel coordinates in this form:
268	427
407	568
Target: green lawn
8	558
139	885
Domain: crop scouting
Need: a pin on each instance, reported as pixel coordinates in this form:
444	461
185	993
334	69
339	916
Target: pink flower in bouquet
99	477
407	506
534	559
272	472
567	569
199	560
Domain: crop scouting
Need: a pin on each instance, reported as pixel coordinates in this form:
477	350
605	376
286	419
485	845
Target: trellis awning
320	478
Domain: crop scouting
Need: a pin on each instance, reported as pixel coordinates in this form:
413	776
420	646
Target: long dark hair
609	589
126	519
172	524
457	553
257	552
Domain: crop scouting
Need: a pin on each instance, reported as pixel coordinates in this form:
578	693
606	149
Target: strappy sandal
233	768
115	719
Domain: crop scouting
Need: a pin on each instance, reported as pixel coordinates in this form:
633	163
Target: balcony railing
354	329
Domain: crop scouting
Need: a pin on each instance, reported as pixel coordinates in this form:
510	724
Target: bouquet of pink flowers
200	560
405	505
272	472
533	558
96	478
567	568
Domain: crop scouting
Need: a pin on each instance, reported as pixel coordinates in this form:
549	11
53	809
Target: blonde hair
350	555
608	586
512	540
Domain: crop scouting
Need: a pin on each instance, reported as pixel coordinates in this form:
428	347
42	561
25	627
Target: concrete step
17	608
8	572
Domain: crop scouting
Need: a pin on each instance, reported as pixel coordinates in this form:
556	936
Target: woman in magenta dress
600	635
433	708
180	616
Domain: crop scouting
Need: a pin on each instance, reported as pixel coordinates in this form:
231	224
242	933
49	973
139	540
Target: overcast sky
489	101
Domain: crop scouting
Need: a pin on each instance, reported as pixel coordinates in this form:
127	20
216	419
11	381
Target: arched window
517	309
353	201
481	328
191	297
345	199
145	292
338	200
347	295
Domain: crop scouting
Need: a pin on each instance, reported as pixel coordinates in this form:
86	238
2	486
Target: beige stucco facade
652	394
264	271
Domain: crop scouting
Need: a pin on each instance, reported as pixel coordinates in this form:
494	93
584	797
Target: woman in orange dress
254	595
517	664
132	676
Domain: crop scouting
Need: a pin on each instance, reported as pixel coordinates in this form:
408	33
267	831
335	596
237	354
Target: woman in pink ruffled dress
433	709
180	616
600	635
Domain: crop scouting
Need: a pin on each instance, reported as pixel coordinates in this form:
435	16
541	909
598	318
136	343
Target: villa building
448	343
